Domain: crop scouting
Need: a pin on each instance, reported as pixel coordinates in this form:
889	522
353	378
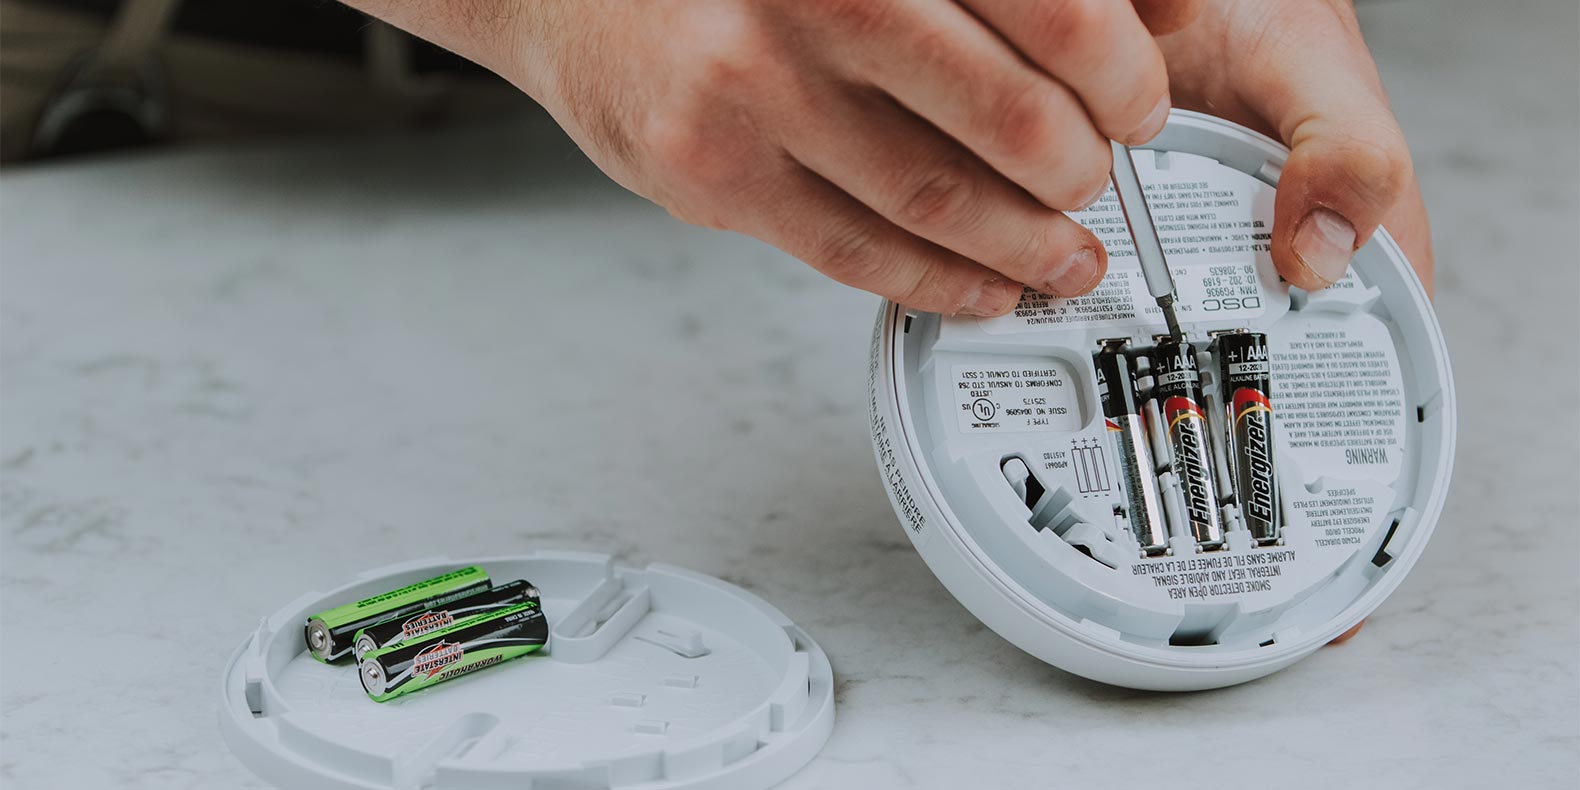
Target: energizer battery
406	627
1247	391
1122	415
1178	392
451	652
330	634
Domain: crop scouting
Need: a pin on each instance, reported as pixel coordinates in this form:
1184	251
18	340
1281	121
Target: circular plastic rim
797	732
1017	615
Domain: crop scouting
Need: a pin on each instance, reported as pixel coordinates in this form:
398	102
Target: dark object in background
78	76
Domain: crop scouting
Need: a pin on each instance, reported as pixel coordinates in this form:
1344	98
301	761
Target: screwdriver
1144	236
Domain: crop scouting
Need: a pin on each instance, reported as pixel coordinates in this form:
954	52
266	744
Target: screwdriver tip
1167	303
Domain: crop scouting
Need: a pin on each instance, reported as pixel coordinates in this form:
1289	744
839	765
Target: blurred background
285	295
83	76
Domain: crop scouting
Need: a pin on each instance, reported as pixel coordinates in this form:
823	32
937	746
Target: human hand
918	149
1299	71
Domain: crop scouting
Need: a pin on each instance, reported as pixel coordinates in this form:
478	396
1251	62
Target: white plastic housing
655	678
963	408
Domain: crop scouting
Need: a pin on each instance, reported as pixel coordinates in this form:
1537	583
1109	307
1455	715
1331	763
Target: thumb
1348	166
1342	179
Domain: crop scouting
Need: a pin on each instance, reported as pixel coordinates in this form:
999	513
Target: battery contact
1215	333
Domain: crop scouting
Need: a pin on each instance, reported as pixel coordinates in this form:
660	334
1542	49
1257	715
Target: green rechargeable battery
410	626
330	635
466	647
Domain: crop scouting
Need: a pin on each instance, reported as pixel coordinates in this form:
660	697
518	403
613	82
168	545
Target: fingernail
1154	123
993	297
1076	275
1324	244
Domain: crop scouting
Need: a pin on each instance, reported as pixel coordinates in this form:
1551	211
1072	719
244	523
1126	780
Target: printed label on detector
1343	515
884	440
1339	396
1216	227
1027	396
1325	529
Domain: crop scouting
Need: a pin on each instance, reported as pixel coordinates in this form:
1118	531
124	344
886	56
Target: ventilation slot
1203	624
1183	639
1382	557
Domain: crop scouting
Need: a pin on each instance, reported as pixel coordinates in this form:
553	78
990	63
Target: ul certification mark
1032	396
984	410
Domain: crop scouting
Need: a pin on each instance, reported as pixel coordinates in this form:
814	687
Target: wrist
503	36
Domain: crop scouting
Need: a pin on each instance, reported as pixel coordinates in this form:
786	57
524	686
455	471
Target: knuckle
1081	178
1021	123
1067	25
1034	255
936	50
944	196
733	63
679	147
726	54
856	17
1378	157
933	290
701	166
1150	87
733	69
847	250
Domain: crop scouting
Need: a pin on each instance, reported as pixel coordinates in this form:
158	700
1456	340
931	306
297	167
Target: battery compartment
1008	424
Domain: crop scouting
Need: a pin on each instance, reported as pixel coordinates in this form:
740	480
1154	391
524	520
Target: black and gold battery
1247	395
451	652
406	627
1177	389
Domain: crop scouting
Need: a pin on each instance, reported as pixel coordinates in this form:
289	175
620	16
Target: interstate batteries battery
1178	392
1122	416
451	652
1247	395
330	635
406	627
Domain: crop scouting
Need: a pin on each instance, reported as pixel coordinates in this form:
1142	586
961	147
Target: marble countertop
236	373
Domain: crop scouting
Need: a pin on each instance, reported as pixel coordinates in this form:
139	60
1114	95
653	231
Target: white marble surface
232	375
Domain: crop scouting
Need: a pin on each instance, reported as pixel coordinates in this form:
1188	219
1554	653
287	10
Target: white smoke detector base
969	414
654	679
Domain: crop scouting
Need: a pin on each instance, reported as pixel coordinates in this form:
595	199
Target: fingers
1167	16
816	222
926	183
1347	635
1348	167
1408	225
945	66
1342	178
1100	49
